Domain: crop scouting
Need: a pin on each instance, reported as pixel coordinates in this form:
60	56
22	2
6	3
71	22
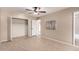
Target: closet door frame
9	27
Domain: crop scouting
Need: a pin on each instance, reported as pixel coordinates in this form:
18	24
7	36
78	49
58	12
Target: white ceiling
47	9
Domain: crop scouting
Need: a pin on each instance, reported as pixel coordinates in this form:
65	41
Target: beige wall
63	30
4	14
3	24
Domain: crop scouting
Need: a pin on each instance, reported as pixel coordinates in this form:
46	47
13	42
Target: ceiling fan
36	10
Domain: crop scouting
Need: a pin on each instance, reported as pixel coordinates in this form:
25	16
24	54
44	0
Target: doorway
17	28
36	27
76	29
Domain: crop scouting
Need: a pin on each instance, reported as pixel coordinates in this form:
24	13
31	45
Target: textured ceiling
47	9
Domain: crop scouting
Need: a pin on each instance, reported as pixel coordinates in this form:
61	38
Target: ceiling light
35	13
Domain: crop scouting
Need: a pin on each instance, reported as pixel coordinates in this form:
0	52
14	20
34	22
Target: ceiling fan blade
28	10
42	11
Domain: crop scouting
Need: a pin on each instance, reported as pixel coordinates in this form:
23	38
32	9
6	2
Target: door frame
73	28
9	27
31	28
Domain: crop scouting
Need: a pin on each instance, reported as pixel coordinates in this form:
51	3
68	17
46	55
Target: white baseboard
3	41
62	42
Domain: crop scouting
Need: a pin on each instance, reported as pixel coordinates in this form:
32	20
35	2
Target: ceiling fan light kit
35	13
